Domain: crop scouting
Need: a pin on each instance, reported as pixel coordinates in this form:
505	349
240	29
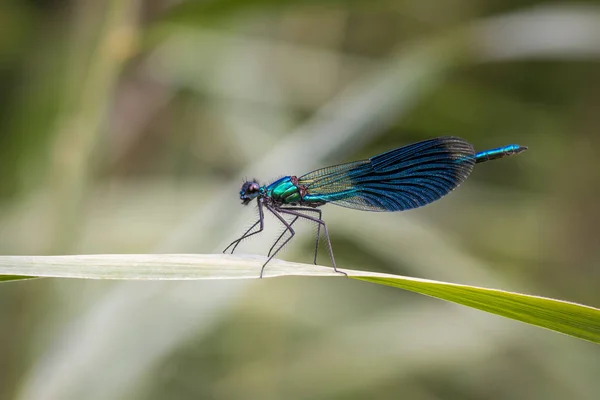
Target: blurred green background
128	127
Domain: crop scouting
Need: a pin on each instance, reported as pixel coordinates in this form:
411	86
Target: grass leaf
7	278
569	318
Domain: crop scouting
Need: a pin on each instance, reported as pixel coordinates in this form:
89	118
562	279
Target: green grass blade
560	316
557	315
8	278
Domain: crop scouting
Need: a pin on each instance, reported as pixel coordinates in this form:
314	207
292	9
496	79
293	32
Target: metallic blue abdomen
499	152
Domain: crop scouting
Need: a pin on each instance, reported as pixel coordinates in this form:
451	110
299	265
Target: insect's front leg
261	221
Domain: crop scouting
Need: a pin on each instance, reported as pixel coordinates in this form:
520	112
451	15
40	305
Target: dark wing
401	179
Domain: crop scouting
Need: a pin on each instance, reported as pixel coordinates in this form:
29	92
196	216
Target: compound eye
253	187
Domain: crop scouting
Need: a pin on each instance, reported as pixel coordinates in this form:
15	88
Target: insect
401	179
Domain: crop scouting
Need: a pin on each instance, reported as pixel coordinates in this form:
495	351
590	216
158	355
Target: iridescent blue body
400	179
499	152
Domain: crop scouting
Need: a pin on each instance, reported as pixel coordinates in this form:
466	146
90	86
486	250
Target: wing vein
400	179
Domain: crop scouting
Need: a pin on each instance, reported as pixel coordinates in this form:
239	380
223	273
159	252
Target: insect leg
320	222
315	210
280	236
261	221
288	227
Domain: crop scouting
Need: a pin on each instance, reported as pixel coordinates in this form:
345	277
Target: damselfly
400	179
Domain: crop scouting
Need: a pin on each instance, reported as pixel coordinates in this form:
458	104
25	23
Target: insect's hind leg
320	222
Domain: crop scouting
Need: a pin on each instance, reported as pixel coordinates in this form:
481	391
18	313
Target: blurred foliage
127	126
